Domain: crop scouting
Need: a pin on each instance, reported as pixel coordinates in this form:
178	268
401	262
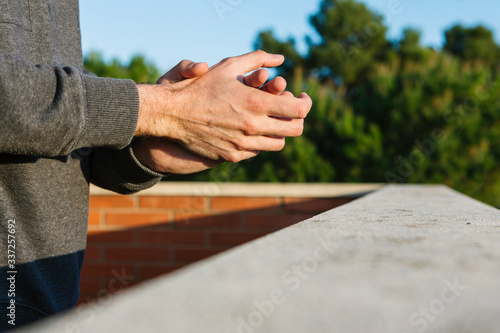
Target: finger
256	79
305	96
284	127
173	75
287	93
275	86
254	60
195	70
272	127
255	144
236	155
284	106
269	143
243	155
186	69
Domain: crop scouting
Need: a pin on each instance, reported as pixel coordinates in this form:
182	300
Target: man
62	129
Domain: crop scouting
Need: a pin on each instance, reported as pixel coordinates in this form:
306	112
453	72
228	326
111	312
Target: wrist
145	106
155	107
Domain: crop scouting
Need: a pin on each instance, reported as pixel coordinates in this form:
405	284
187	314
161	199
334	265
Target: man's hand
218	116
166	156
163	155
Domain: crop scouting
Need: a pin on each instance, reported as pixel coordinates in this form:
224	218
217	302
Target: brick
118	279
190	255
233	238
102	229
122	236
137	254
183	203
273	222
152	271
208	221
156	227
106	270
93	229
90	285
98	201
94	218
242	203
137	219
92	253
172	237
313	205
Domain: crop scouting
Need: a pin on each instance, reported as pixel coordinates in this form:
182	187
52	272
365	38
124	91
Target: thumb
186	69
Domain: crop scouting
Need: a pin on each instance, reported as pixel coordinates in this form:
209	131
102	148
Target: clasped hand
198	117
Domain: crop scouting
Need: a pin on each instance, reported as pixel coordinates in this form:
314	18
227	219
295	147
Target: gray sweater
59	131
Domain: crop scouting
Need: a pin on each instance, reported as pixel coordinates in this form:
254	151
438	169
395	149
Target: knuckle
228	61
233	157
242	143
238	143
251	128
302	110
260	53
256	104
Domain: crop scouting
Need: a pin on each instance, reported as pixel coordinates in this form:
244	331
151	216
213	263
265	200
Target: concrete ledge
316	190
403	259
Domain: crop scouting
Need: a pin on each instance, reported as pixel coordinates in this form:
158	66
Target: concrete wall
403	259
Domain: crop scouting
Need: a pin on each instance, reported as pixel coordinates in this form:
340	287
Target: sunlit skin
223	135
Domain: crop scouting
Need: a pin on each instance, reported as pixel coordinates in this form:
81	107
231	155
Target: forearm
50	111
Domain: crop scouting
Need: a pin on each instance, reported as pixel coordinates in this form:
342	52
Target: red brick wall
135	238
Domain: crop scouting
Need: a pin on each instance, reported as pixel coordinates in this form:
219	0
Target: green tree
267	41
472	44
409	46
138	68
352	39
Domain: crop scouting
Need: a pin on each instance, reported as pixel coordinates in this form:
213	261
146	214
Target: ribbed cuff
111	112
131	170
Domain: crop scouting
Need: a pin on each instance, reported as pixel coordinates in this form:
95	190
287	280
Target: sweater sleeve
50	110
120	171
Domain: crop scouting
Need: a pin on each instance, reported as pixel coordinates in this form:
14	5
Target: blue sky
168	31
